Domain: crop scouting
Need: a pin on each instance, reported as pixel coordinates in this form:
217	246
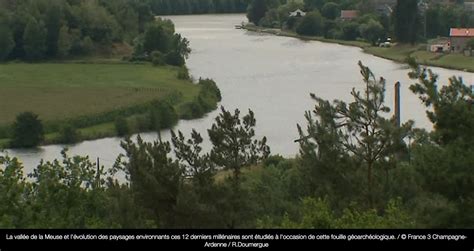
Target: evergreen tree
27	130
407	21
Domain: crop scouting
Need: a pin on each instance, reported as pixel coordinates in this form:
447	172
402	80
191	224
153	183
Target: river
271	75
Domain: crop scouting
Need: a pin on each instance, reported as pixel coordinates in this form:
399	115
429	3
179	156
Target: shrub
68	134
121	126
183	73
174	58
311	24
350	31
157	58
27	130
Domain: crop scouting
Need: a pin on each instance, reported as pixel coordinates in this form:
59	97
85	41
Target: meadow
67	91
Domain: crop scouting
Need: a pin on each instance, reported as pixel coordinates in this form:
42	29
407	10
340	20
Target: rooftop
461	32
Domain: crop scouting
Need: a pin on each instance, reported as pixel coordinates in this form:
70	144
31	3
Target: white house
297	13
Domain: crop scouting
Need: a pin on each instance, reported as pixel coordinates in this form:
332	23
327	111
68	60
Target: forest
356	169
58	29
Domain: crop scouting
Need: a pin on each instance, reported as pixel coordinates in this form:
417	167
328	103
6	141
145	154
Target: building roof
296	12
349	14
461	32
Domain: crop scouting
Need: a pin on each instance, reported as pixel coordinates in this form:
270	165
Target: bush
27	130
372	31
157	58
174	58
311	24
121	126
350	31
183	73
68	134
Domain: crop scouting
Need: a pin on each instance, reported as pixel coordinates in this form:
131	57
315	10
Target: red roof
461	32
348	14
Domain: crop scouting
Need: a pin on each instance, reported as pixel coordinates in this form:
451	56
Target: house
297	13
459	37
348	15
441	44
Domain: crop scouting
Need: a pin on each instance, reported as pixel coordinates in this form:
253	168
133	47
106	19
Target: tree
6	42
256	11
157	38
358	128
233	143
34	40
470	44
64	42
311	24
372	31
233	149
52	21
350	31
451	107
27	130
407	21
156	180
331	10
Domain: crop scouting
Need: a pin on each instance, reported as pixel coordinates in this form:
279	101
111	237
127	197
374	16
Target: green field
64	91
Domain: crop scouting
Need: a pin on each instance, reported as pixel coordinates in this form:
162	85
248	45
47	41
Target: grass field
63	91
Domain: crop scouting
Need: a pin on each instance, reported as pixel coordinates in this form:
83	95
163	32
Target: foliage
34	40
358	129
232	138
350	31
317	214
311	24
407	19
372	31
121	126
256	11
68	134
331	10
470	44
6	42
27	130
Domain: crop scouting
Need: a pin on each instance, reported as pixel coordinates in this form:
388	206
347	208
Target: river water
271	75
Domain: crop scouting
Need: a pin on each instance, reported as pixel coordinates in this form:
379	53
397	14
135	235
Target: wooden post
97	176
397	104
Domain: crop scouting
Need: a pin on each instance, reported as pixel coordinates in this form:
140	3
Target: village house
348	15
297	13
459	37
441	44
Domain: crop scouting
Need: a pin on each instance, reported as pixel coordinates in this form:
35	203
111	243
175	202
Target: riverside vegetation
408	26
89	65
356	169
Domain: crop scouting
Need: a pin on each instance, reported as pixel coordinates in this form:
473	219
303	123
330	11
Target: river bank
397	53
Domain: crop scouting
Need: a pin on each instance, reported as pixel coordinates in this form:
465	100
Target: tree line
179	7
56	29
356	169
408	22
